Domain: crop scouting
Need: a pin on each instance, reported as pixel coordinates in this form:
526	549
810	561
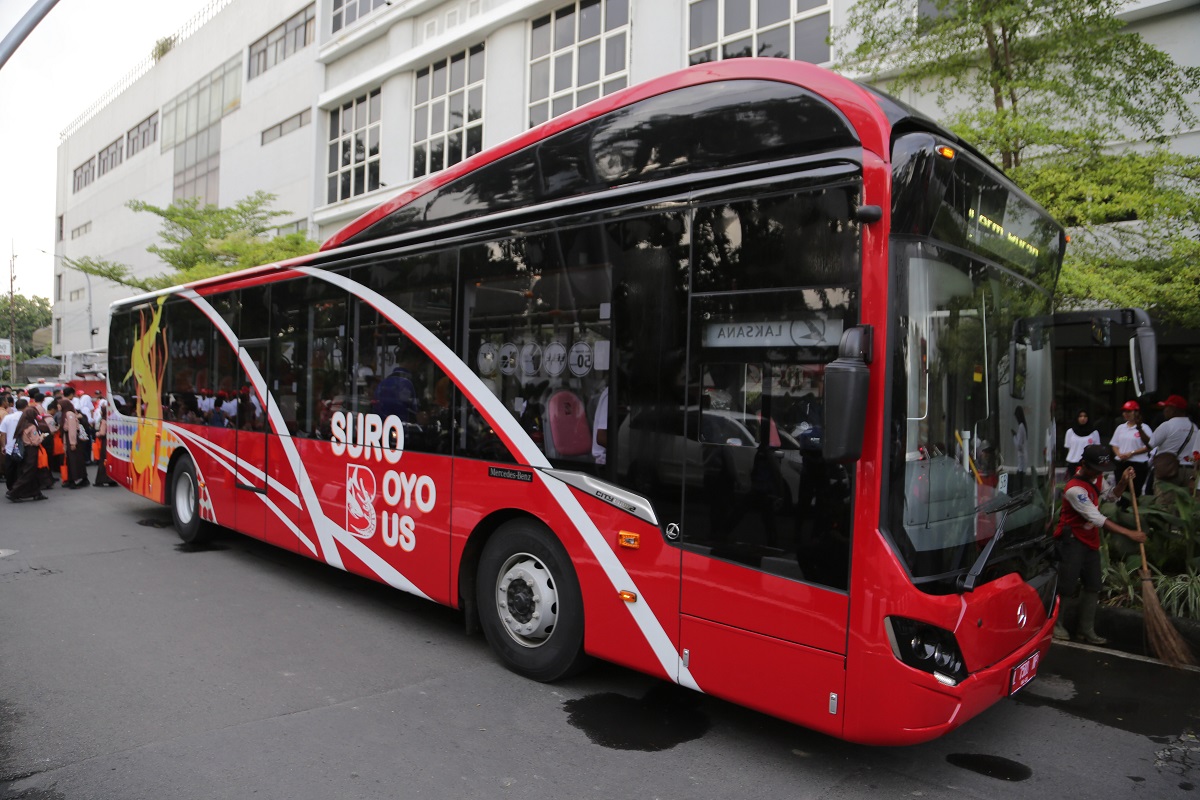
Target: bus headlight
927	648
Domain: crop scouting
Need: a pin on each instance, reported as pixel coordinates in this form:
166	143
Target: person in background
1020	436
6	405
101	423
25	485
1077	539
1130	444
1172	438
8	440
600	429
1077	437
75	443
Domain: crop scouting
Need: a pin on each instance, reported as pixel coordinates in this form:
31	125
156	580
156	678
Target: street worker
1077	538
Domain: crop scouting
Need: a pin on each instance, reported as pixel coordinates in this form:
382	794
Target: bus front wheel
185	502
530	605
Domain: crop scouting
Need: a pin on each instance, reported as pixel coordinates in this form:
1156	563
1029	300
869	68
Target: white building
337	105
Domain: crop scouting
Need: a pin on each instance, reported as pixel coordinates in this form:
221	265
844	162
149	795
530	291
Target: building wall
384	50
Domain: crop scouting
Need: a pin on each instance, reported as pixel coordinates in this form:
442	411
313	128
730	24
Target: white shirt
8	426
85	405
1021	442
1127	438
1173	436
1075	444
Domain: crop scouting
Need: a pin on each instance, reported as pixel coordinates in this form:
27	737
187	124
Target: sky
78	51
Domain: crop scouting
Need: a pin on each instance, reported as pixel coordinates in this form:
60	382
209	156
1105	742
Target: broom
1165	641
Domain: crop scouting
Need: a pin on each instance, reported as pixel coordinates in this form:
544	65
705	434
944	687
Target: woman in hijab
1079	436
25	487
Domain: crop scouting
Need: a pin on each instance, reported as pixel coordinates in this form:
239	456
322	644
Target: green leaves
1058	93
202	241
30	314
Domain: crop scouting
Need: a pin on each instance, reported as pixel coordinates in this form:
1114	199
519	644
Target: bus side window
308	354
391	374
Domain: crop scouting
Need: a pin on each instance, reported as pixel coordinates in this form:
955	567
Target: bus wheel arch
528	597
183	498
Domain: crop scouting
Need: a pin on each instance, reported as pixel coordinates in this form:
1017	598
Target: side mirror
1143	360
846	391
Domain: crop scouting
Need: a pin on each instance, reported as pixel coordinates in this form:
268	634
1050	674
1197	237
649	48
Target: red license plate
1023	673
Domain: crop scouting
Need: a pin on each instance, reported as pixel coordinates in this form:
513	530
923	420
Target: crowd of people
45	440
1144	461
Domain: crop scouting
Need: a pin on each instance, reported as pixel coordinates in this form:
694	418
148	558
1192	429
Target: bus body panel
736	596
788	680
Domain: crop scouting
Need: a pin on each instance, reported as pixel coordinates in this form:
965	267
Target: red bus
717	378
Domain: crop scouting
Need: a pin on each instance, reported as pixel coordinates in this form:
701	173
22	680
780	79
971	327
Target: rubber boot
1067	608
1086	631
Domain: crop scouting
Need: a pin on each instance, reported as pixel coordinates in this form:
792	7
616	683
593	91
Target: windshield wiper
1002	505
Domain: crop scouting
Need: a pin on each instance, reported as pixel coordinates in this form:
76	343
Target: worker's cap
1131	405
1098	456
1174	401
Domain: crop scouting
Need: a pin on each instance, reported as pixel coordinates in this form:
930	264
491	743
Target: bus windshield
973	424
971	407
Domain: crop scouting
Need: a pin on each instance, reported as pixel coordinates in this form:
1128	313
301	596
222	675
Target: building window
202	104
76	294
354	132
347	12
58	284
142	135
60	228
720	29
284	41
192	125
299	226
198	166
81	230
577	54
85	173
111	155
448	111
58	330
292	123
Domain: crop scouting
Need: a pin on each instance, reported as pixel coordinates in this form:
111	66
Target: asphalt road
134	667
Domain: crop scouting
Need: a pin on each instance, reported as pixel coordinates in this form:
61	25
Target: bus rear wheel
530	605
185	502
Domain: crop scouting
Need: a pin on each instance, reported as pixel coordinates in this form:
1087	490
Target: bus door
251	423
765	528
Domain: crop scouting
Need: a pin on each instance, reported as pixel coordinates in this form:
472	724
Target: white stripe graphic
497	415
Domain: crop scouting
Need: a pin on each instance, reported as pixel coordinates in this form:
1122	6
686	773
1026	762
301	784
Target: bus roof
860	106
872	115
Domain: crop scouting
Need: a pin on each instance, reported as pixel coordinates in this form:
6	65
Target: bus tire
530	605
185	502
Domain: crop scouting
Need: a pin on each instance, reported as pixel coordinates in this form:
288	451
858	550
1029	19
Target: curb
1125	630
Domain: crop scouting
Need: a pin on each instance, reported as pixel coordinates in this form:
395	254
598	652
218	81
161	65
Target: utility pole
12	317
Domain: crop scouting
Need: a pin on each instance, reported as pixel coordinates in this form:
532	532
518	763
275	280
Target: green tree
31	313
200	241
1074	108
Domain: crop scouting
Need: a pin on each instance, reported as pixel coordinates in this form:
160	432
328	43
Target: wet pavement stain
992	766
665	717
